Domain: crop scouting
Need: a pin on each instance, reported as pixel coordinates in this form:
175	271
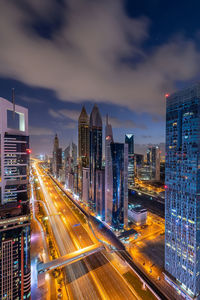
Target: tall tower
153	160
56	143
156	163
95	151
182	196
74	154
57	157
67	162
108	172
119	154
83	138
14	202
129	140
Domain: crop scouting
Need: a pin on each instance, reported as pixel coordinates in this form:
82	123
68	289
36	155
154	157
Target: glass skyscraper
129	140
119	156
182	198
95	152
153	161
108	173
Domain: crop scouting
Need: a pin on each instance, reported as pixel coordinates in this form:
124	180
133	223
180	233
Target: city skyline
140	108
99	150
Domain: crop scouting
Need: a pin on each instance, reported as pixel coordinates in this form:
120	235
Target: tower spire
13	101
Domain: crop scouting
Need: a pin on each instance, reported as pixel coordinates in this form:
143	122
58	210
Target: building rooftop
83	118
138	209
95	117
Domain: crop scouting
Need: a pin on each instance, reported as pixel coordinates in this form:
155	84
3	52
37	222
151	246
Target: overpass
69	258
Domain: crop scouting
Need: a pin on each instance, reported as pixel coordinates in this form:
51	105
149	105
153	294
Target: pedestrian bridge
69	258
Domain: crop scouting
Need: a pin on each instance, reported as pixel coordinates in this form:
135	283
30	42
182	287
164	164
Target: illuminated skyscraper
182	196
83	138
153	160
100	193
95	151
119	154
14	203
57	157
108	173
129	139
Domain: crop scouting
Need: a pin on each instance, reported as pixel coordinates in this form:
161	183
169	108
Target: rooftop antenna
13	102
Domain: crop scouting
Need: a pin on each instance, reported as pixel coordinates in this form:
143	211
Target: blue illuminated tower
119	156
95	152
182	198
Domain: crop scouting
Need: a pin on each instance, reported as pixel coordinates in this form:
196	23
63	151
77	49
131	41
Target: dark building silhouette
83	138
57	157
95	152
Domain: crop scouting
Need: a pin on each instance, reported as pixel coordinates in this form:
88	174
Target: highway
93	277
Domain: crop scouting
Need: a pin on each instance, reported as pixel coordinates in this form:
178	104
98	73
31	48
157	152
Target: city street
93	277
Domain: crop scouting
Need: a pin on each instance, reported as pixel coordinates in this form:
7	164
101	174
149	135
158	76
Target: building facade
153	161
129	140
57	157
74	154
67	159
83	138
100	193
137	215
108	173
119	154
15	272
95	152
182	196
86	185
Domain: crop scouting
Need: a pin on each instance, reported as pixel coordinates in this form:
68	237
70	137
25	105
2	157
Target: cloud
146	136
31	100
40	131
117	123
87	57
65	113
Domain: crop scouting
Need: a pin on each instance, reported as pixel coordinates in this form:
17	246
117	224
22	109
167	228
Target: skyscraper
100	193
153	161
67	158
83	138
57	157
119	154
108	173
156	163
74	154
129	139
86	185
95	151
182	196
14	202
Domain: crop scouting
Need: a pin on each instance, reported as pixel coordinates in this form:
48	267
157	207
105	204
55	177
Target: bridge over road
69	258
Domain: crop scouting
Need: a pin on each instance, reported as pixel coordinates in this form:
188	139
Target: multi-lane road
93	277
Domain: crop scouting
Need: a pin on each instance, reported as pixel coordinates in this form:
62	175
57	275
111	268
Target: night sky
123	55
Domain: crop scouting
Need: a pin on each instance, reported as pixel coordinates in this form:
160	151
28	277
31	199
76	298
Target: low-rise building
138	215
